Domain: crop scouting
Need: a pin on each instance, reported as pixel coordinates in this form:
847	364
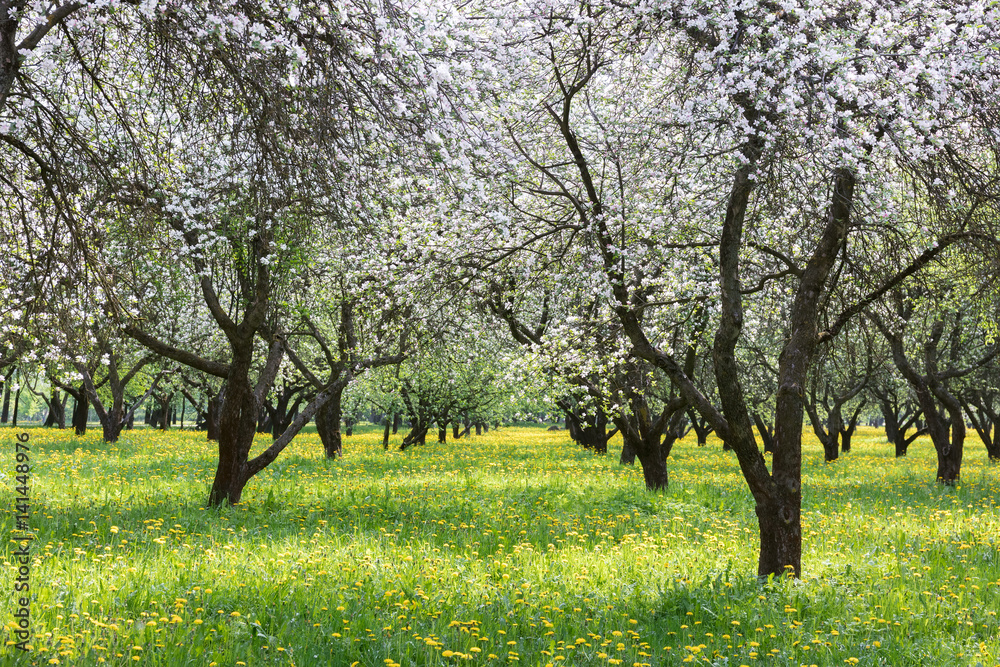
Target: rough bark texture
328	425
653	459
237	425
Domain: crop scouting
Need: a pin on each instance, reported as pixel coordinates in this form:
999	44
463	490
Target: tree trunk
213	418
443	434
397	419
766	432
780	537
479	428
949	446
455	432
949	463
653	459
385	433
81	411
627	457
701	428
572	425
51	418
835	422
111	428
328	425
416	436
845	439
929	391
61	414
891	425
5	417
17	404
165	412
901	446
265	424
237	426
993	451
831	449
985	420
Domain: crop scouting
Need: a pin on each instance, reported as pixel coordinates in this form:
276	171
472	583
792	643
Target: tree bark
165	400
701	427
328	425
5	417
17	405
416	436
627	457
653	459
55	416
766	432
213	415
81	411
237	425
848	428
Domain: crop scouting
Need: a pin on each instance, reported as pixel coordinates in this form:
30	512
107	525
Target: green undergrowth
510	548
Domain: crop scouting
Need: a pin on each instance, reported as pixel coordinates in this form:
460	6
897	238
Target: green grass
513	548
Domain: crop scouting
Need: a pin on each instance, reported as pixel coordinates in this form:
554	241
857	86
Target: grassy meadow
511	548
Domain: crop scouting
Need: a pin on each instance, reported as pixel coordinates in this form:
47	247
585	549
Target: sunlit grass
515	547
